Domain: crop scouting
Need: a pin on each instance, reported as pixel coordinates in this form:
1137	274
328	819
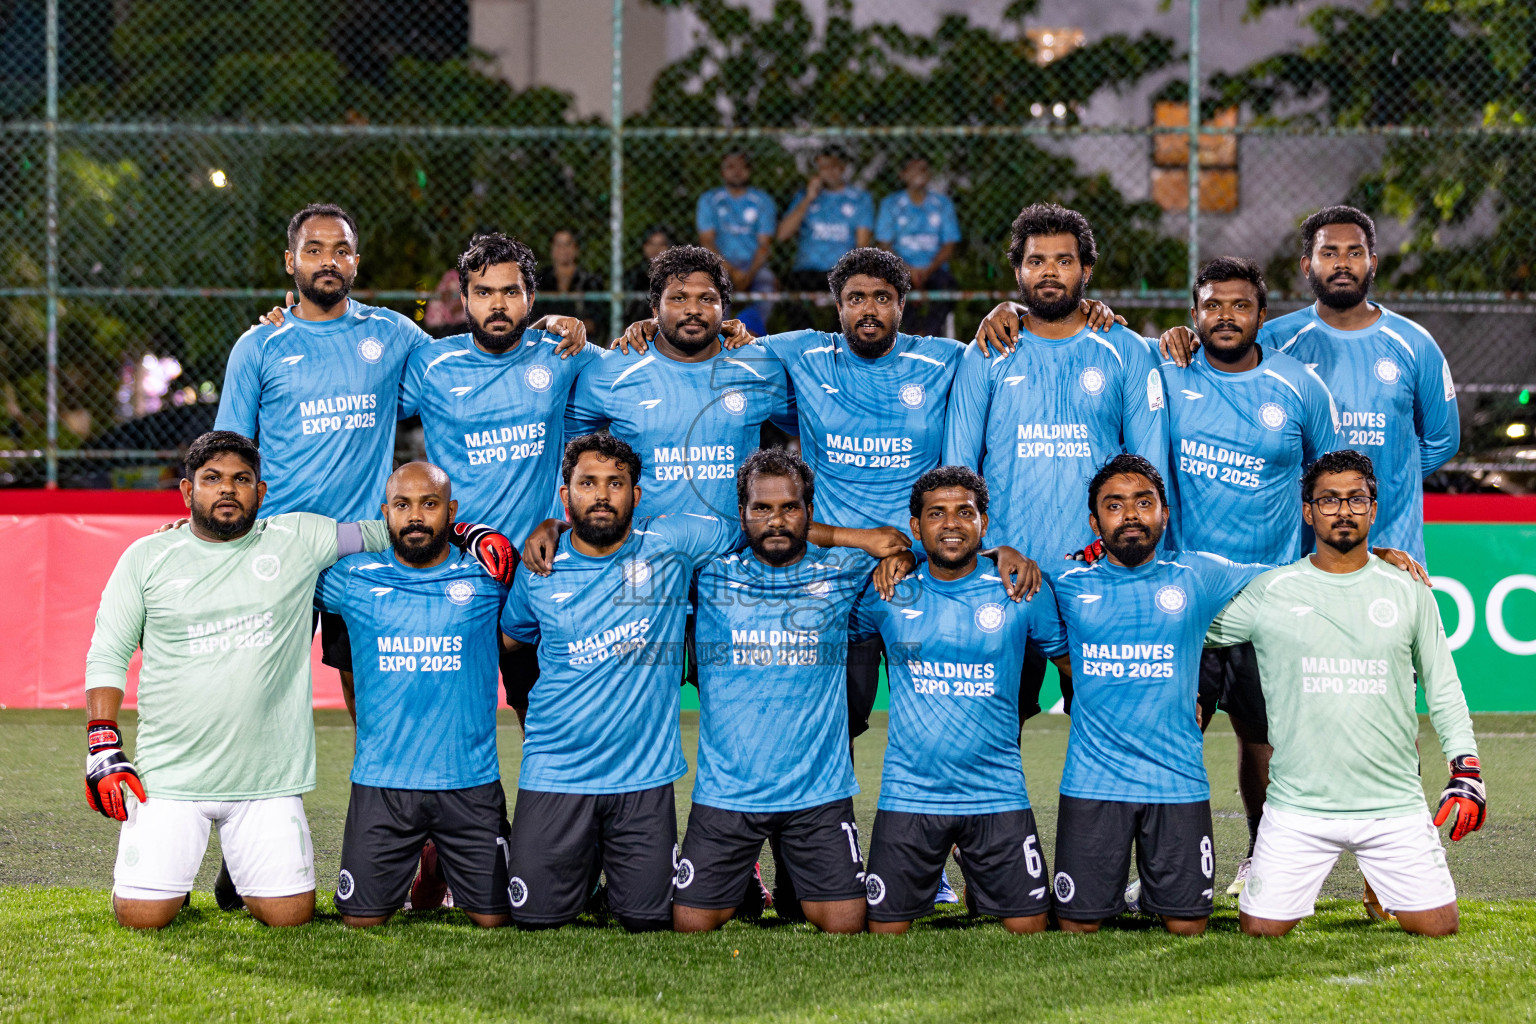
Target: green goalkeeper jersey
224	689
1337	655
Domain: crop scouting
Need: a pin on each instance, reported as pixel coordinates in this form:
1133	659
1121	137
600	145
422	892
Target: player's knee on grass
1436	923
1031	925
282	911
364	922
699	919
1190	926
842	917
146	914
1080	927
1263	927
890	927
489	920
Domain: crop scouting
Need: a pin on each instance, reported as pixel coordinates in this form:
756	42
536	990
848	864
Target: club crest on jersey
734	402
461	592
517	891
370	350
637	573
538	377
344	885
1092	380
1171	599
874	889
912	395
1387	371
684	877
1272	415
1065	887
266	567
989	617
1383	612
848	209
818	588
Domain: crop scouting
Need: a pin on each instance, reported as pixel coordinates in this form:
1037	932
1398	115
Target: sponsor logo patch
1154	390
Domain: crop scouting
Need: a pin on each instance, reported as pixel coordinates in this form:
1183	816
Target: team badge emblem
461	592
266	567
517	891
874	889
1092	380
637	572
1171	599
848	210
684	877
734	402
818	588
989	617
370	350
1065	887
749	214
1272	416
1383	612
538	377
1387	371
344	885
912	395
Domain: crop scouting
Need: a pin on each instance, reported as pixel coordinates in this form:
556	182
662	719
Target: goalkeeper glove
494	552
1090	554
107	769
1465	796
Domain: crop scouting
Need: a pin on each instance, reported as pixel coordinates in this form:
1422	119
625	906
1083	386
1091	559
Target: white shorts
266	844
1401	857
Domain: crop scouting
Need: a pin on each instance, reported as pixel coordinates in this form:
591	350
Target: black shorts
818	848
335	642
384	834
1229	679
1000	854
863	682
519	671
1174	858
557	839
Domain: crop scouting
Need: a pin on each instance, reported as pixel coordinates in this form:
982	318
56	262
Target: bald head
419	510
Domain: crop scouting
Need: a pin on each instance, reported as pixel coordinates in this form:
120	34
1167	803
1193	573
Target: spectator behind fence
656	240
738	221
445	310
564	274
830	217
920	227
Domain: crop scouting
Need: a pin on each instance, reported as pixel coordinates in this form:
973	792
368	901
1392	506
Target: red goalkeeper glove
494	552
107	769
1090	554
1464	796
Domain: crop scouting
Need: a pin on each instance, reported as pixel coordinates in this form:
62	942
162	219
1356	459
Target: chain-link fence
152	152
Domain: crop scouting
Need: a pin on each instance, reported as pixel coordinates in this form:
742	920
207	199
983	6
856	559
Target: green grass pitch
62	958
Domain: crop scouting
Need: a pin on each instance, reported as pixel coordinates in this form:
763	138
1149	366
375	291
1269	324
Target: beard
1233	355
1133	552
1052	310
938	558
418	545
498	343
326	293
596	534
204	520
777	558
1342	295
867	349
670	331
1344	545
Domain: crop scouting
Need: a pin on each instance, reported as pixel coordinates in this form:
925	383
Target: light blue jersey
1396	401
831	225
773	694
494	424
740	223
868	427
424	646
603	716
1135	635
692	424
1240	441
319	397
1038	423
916	231
955	649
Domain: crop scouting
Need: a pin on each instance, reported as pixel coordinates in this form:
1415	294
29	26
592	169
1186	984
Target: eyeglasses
1359	504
